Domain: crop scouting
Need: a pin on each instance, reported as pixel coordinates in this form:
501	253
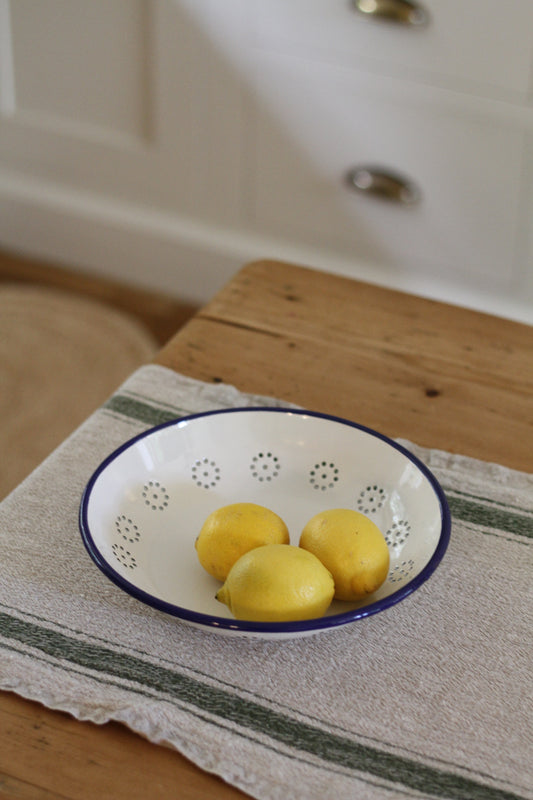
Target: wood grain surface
47	754
441	376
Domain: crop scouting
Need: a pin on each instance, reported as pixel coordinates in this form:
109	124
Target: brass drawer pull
403	12
384	184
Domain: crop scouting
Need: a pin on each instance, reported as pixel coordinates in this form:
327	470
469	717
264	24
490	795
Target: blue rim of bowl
228	625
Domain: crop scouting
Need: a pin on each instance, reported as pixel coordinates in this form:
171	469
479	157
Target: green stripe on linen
331	748
499	503
141	411
489	516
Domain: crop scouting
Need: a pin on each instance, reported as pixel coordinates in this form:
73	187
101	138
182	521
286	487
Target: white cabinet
120	99
477	45
446	105
466	163
167	142
121	138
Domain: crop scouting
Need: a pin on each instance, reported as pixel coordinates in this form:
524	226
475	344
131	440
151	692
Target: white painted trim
182	256
7	76
143	247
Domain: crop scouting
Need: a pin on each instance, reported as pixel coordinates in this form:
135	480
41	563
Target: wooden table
439	375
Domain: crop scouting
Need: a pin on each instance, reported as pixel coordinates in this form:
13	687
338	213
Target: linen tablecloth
431	698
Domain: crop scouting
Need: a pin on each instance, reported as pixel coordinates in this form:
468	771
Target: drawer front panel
472	44
312	125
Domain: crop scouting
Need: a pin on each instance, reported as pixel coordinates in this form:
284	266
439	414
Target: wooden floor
162	315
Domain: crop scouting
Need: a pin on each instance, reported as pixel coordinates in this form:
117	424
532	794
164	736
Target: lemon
232	530
277	583
352	547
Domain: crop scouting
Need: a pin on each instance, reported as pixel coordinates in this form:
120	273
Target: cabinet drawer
313	124
477	45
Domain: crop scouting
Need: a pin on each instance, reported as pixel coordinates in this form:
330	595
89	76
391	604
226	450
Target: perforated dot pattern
324	476
127	529
206	473
265	466
371	499
124	556
398	533
401	571
155	496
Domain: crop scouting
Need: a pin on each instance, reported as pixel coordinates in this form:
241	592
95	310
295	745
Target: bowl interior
144	507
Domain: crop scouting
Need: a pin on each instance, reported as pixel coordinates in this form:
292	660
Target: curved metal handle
384	184
404	12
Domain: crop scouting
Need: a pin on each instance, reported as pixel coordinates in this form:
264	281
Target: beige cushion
61	355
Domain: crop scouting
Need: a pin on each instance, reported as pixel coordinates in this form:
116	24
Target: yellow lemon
232	530
352	547
277	583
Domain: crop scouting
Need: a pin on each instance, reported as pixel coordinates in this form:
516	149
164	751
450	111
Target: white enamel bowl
144	506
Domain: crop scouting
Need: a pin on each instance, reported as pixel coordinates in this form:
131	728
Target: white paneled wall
167	142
